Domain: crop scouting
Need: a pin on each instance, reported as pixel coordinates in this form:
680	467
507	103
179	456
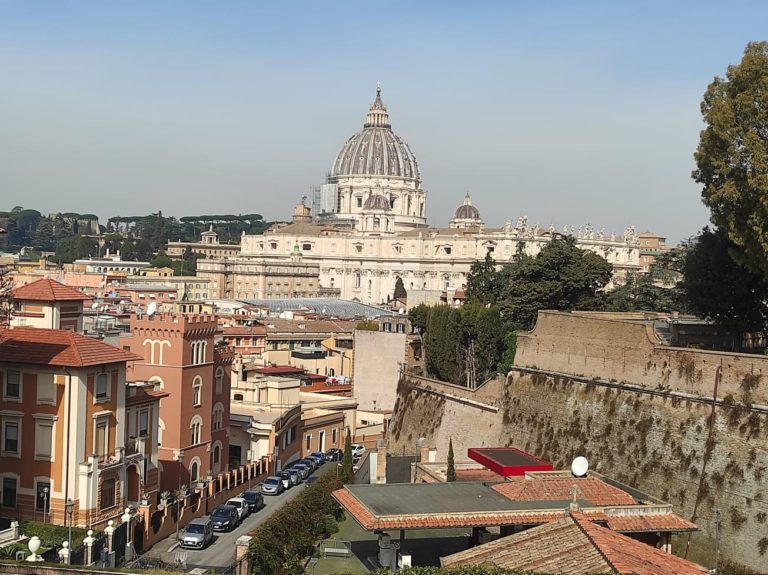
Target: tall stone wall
640	413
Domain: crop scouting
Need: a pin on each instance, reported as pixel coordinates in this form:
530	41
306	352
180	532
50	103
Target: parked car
358	449
295	476
241	505
272	486
255	499
303	468
224	518
334	454
197	534
310	461
319	455
285	477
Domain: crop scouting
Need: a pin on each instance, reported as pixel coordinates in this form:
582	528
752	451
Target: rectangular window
309	442
143	423
46	389
43	499
107	494
11	437
101	391
9	492
43	439
100	439
333	435
12	385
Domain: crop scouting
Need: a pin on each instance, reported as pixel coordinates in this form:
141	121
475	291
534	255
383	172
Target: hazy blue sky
568	112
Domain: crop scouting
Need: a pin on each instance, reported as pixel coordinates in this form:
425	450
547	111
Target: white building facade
372	227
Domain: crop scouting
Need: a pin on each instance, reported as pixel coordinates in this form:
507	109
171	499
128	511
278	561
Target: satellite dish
580	466
152	309
95	305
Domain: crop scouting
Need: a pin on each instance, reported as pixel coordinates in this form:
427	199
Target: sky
567	112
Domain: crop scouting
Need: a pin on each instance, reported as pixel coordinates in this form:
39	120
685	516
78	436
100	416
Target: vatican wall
655	428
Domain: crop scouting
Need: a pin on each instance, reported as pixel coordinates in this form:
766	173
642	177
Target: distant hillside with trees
73	236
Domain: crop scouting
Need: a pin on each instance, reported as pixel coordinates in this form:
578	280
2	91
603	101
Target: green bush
282	543
52	535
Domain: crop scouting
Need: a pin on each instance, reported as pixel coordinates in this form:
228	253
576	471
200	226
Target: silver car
272	486
197	534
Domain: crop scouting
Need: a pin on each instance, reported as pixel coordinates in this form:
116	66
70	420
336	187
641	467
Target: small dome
467	211
377	202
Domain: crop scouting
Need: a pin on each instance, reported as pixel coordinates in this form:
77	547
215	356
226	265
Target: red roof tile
39	346
574	545
48	290
543	488
649	522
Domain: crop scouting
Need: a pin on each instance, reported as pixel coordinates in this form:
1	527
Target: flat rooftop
429	498
507	461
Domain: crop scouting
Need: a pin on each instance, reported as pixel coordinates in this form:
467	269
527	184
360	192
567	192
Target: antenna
580	466
152	309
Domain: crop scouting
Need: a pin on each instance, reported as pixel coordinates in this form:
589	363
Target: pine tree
450	474
400	292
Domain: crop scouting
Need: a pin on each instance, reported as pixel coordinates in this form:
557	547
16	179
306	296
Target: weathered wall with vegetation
671	438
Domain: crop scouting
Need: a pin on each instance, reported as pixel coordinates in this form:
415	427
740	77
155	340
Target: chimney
381	462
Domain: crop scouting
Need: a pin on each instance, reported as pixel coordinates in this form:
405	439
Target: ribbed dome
376	150
467	211
377	202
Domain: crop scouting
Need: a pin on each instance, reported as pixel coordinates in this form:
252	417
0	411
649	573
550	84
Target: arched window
194	471
196	430
219	379
216	454
218	416
197	391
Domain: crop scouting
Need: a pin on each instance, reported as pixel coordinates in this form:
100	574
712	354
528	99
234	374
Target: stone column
109	530
64	553
88	542
241	555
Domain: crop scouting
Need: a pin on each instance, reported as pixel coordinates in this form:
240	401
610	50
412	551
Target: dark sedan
224	518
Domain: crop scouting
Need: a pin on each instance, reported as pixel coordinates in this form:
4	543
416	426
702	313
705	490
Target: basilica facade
371	229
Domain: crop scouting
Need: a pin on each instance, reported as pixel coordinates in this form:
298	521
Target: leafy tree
400	292
560	277
483	281
418	316
76	247
450	473
161	260
45	235
732	156
719	288
640	293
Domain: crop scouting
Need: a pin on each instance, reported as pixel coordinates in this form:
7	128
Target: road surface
221	553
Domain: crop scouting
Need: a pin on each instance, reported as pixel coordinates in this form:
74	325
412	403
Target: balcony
135	447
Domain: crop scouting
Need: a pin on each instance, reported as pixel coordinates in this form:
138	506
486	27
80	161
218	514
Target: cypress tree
450	474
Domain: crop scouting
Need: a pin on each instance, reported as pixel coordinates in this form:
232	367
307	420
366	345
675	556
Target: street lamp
180	459
44	495
126	517
69	506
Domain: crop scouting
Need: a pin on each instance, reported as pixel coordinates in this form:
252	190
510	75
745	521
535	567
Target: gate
119	539
99	544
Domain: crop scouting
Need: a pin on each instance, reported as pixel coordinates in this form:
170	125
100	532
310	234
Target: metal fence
77	556
119	539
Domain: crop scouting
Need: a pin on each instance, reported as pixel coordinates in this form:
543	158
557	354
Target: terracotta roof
39	346
145	396
244	330
649	522
370	522
477	475
574	545
48	290
542	488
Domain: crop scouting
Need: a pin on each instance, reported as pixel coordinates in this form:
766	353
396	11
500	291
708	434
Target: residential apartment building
179	357
49	304
62	430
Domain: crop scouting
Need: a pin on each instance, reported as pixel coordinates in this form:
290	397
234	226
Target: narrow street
221	553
